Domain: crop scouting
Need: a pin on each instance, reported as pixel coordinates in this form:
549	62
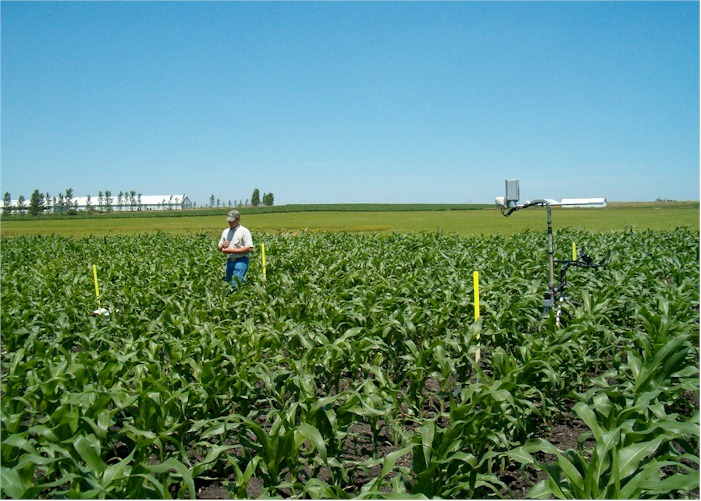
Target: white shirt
238	237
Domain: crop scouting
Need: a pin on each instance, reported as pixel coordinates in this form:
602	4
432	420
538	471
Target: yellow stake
97	290
476	279
574	251
262	248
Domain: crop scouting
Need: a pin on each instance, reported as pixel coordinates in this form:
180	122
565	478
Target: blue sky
352	102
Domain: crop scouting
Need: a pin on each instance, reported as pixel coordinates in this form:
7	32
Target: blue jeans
236	270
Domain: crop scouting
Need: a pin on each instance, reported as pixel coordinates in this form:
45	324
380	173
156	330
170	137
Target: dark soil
563	435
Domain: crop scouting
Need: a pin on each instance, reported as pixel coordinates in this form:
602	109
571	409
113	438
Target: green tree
69	198
255	198
268	199
108	200
36	203
211	201
7	203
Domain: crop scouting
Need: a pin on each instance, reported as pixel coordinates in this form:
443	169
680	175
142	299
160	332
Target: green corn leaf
540	445
212	456
181	469
17	357
608	442
309	432
647	479
44	432
12	484
602	404
242	477
390	460
372	489
35	460
219	428
572	474
427	434
635	365
146	481
586	414
601	461
556	486
35	491
681	482
631	456
316	488
89	449
101	427
633	486
19	441
522	456
666	361
117	471
541	490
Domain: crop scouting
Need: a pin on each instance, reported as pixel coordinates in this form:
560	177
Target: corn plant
637	441
350	371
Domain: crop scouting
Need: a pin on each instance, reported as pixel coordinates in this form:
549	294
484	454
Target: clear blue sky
386	102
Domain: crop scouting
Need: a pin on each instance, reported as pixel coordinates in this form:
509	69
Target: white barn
143	202
126	204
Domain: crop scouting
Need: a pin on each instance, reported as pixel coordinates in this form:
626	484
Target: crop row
351	370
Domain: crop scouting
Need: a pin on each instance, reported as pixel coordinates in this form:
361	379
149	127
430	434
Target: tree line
67	203
107	202
268	199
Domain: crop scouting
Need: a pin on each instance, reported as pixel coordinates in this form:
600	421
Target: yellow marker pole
574	251
262	248
476	282
97	290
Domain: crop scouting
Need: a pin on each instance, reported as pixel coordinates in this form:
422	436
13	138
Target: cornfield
350	371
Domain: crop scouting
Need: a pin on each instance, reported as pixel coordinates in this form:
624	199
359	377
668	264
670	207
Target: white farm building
114	204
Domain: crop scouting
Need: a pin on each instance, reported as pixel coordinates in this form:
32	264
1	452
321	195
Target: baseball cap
233	215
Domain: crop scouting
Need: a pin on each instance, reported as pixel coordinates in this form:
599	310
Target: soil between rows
564	435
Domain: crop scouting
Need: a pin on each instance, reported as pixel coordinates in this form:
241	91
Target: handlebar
584	260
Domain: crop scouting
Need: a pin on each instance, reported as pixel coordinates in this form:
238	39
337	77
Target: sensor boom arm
508	204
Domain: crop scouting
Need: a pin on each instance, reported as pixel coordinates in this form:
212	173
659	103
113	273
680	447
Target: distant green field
462	219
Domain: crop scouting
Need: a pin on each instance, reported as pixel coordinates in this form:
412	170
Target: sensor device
512	196
508	204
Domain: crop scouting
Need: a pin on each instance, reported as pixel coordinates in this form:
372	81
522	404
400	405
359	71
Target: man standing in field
236	242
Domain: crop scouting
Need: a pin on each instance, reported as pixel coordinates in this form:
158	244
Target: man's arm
234	250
